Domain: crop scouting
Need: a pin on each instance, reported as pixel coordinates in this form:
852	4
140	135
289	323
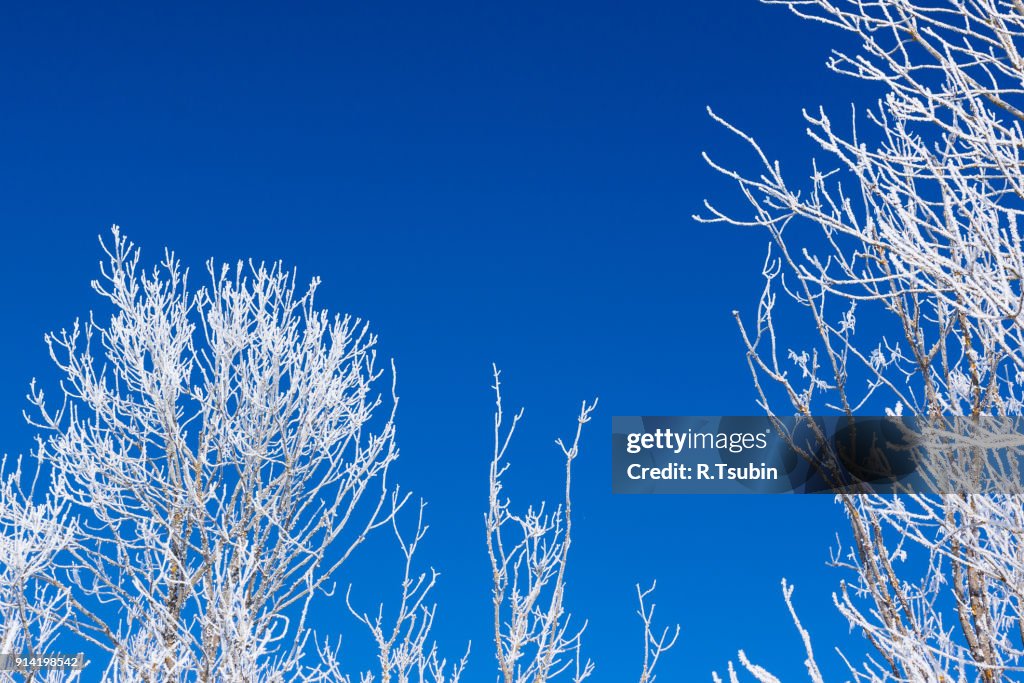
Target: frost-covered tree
903	256
219	453
529	554
32	533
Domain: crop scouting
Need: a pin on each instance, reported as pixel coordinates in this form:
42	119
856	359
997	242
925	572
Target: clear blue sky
507	182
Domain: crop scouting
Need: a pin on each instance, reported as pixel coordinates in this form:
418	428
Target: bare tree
529	554
404	651
655	644
911	288
221	453
32	532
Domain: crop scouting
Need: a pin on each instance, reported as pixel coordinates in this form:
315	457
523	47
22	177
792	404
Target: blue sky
483	182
